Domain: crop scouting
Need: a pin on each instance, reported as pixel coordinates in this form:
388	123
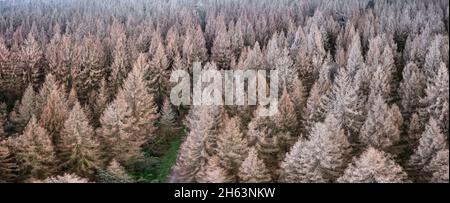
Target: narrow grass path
160	172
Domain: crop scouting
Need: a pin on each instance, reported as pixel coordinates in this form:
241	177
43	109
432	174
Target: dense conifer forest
85	91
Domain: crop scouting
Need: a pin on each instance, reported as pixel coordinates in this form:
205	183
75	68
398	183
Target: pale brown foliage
54	113
431	141
322	158
115	173
66	178
79	150
34	151
128	122
26	108
438	167
192	155
286	121
381	129
7	164
253	169
212	172
231	147
374	166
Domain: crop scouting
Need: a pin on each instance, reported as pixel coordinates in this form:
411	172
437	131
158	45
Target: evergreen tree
273	51
25	110
232	147
380	85
433	58
263	135
193	152
89	67
253	169
172	44
287	72
155	41
121	63
72	98
221	49
254	60
32	57
355	59
381	128
431	142
115	173
212	172
237	38
128	122
34	151
158	73
78	148
60	56
296	167
41	99
415	128
117	133
436	99
4	57
194	47
101	101
167	123
416	47
374	166
439	167
217	116
411	89
313	111
143	109
389	67
344	102
322	158
53	52
8	166
54	113
299	96
375	51
286	121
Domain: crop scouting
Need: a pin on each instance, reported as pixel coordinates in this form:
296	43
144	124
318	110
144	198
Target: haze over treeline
84	91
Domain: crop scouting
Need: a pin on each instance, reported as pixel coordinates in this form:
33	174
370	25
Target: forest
85	91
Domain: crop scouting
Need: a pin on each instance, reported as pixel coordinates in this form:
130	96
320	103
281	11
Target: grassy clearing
160	169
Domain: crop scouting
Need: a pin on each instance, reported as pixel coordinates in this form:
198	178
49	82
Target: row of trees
84	87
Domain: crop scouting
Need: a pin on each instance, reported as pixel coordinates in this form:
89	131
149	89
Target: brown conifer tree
286	121
25	110
431	141
253	169
232	147
34	151
54	113
438	167
128	122
8	166
115	173
374	166
212	172
32	57
79	152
